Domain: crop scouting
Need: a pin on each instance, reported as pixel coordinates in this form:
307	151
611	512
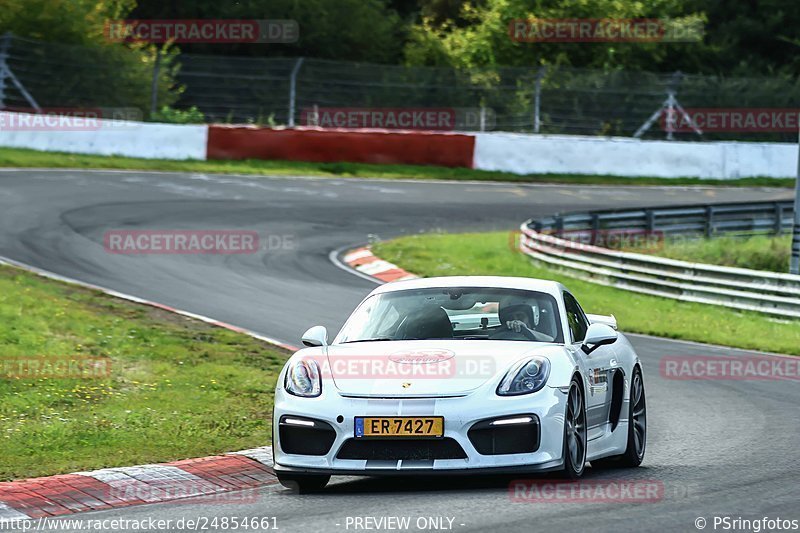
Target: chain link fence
291	91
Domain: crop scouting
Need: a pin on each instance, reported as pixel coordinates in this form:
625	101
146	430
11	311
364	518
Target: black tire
303	483
575	433
637	428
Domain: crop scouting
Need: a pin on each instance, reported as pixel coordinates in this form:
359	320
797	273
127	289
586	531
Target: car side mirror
315	336
598	335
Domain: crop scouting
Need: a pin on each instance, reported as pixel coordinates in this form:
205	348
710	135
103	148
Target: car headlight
525	377
302	379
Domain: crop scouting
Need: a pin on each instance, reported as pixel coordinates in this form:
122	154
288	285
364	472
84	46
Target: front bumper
460	415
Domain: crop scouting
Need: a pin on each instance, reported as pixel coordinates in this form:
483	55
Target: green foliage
484	39
741	37
62	21
762	252
179	116
358	30
82	68
176	388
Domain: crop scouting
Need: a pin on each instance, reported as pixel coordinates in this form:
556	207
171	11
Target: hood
423	367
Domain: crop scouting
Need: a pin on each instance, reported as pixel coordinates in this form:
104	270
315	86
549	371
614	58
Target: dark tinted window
578	324
491	313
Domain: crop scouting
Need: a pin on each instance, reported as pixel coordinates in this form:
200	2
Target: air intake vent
401	449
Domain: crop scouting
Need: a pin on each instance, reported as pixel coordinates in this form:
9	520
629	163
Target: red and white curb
362	260
135	485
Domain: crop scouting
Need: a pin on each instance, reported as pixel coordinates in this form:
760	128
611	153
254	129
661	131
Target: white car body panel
466	399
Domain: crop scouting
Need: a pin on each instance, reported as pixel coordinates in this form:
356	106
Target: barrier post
537	101
154	83
293	91
5	41
6	72
794	263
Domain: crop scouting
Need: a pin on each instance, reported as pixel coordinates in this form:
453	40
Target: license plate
399	426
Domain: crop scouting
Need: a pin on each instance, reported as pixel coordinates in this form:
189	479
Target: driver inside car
518	321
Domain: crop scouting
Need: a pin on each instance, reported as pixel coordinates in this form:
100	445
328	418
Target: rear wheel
637	423
304	483
575	433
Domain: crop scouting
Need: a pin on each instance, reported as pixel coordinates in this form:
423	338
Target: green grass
491	254
762	252
15	157
177	388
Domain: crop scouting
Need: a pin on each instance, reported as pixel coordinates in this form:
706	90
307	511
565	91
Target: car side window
578	324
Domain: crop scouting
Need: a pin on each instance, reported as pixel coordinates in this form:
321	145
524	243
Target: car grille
401	449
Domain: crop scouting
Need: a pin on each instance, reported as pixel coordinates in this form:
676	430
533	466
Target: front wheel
575	433
304	483
637	428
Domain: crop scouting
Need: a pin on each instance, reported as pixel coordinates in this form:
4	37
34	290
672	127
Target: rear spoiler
608	320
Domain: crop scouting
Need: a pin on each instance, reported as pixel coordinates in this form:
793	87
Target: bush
179	116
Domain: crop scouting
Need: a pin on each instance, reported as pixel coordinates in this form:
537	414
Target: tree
357	30
485	39
76	65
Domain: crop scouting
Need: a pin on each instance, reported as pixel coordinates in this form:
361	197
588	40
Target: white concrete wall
509	152
105	137
526	154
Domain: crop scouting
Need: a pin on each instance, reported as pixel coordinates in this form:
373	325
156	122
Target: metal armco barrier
738	288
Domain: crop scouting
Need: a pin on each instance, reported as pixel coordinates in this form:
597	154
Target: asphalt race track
720	448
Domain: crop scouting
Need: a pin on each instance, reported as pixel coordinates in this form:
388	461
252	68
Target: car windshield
455	313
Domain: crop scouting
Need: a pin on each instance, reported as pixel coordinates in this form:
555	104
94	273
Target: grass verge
490	254
177	388
761	252
16	157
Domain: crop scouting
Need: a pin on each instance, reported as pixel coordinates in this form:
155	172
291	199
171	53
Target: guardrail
738	288
708	220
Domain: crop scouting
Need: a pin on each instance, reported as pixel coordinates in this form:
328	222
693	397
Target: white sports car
460	375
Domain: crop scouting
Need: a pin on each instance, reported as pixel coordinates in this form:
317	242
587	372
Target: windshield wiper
370	340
